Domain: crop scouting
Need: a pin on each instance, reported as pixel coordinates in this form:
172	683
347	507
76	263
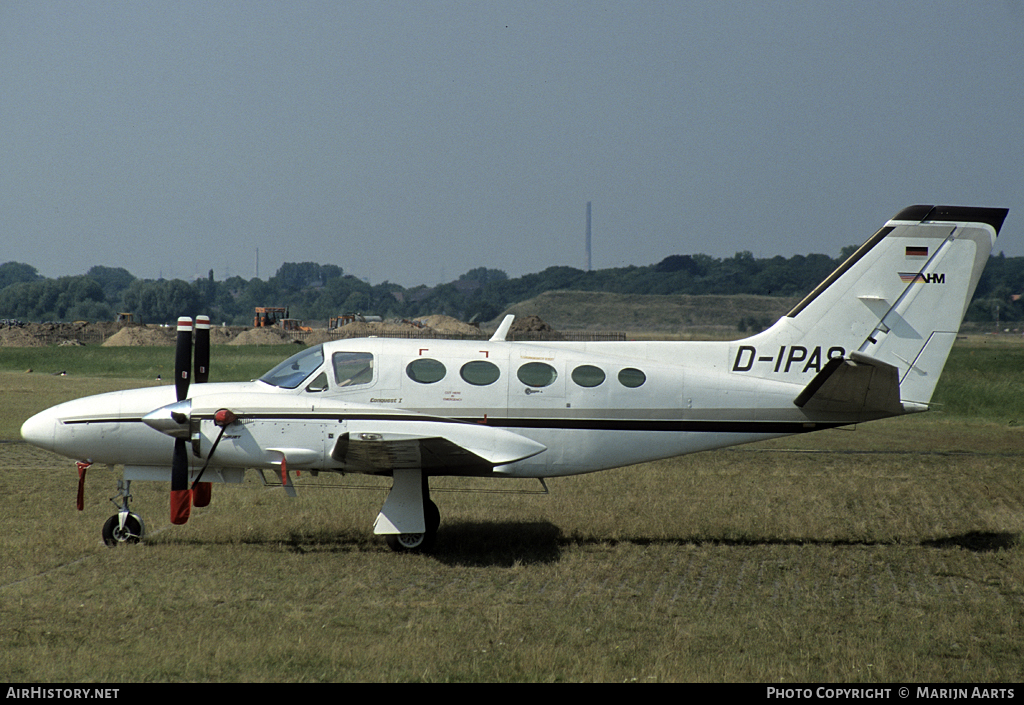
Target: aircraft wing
860	385
380	446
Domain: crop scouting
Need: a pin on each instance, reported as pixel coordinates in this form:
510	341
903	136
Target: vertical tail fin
897	302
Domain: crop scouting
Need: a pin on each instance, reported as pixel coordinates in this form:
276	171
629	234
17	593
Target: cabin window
352	368
588	376
537	374
480	372
631	377
425	370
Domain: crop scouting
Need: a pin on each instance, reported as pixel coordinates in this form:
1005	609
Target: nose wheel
125	526
117	531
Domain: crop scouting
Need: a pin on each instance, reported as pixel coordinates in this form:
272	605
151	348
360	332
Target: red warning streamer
82	467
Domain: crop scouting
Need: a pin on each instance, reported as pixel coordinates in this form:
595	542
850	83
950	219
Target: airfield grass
891	552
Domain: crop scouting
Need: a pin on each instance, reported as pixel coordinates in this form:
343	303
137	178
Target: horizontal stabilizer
860	386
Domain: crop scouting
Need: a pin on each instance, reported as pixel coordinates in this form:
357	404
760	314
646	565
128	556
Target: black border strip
669	426
789	427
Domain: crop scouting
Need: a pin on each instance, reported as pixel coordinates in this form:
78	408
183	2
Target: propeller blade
202	368
181	495
202	492
183	357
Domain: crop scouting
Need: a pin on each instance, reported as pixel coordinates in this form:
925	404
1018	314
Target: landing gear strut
123	527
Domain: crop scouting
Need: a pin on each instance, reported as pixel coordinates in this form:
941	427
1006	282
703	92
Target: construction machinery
268	316
294	325
346	318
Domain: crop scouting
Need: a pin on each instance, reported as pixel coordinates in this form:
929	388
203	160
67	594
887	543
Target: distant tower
588	236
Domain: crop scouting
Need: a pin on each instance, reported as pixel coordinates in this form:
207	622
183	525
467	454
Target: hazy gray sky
413	141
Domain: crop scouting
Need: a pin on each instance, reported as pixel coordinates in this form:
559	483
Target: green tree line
314	291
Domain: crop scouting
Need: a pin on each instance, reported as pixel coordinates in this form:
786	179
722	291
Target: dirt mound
40	334
447	324
530	324
141	335
319	335
263	336
359	329
222	335
20	338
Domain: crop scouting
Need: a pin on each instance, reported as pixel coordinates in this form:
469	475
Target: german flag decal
917	251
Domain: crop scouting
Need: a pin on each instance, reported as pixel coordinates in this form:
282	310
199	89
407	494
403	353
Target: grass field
891	552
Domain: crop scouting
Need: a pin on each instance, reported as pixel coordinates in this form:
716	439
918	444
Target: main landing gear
409	520
125	526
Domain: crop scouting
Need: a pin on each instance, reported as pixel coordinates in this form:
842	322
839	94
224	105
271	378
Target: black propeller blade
202	349
183	358
201	491
181	496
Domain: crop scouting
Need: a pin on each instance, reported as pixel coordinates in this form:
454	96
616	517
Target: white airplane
869	342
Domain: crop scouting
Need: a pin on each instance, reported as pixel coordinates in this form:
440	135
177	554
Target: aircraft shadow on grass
977	541
510	543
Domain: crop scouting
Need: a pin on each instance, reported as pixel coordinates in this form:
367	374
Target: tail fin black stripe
963	214
841	270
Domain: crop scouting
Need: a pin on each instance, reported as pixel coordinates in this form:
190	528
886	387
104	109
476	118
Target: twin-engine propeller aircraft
869	342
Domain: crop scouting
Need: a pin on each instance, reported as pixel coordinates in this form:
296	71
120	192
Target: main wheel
418	543
113	534
409	543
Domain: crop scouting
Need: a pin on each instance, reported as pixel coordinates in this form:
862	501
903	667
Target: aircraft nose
40	430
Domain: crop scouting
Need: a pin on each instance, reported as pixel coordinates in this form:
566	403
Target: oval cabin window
480	372
537	374
631	377
588	376
425	370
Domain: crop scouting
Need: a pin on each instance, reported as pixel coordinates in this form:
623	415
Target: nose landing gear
125	526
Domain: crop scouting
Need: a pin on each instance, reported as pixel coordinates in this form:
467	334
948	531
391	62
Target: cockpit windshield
290	373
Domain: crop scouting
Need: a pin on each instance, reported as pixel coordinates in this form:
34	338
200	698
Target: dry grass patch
742	565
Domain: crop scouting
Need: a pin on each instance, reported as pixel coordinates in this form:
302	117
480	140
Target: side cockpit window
319	384
352	368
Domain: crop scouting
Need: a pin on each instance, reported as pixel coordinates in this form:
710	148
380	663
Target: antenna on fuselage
499	335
